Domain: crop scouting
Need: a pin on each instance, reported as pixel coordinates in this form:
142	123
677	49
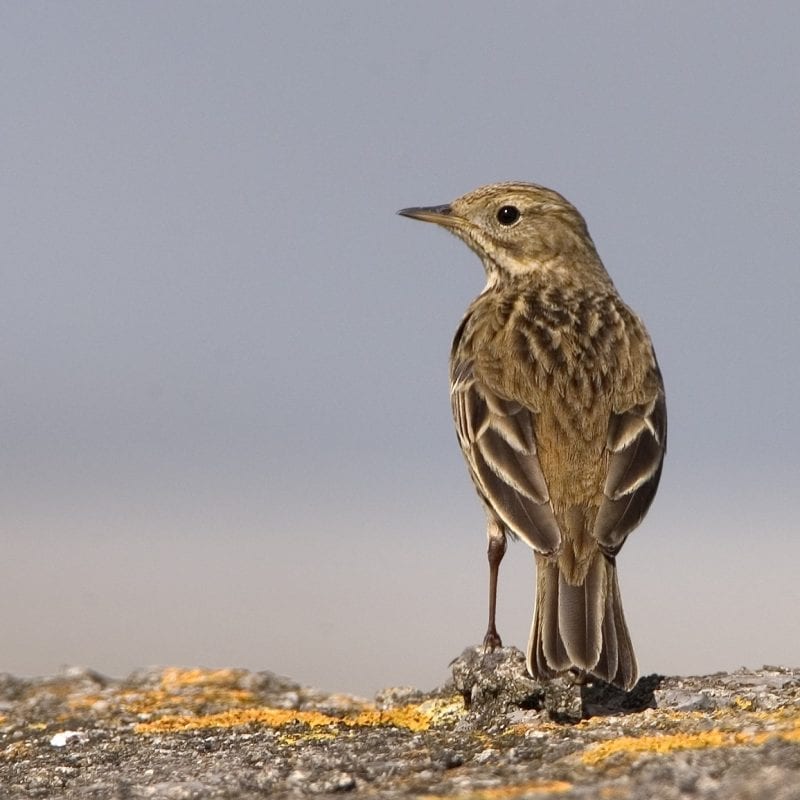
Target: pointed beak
441	215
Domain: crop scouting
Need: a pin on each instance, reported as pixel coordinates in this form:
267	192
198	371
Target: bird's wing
637	440
497	437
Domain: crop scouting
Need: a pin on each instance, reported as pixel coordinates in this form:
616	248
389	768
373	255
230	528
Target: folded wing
636	444
497	437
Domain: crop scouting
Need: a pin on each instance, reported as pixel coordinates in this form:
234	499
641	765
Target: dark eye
507	215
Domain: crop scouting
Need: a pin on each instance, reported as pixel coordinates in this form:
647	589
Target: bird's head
517	229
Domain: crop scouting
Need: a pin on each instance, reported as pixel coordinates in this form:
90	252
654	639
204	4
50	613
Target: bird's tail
581	626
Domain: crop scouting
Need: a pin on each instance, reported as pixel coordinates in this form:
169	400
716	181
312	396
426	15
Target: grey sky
226	430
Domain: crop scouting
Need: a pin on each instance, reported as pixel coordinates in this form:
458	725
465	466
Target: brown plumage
560	412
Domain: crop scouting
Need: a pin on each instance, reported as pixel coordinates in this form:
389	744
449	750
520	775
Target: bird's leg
497	549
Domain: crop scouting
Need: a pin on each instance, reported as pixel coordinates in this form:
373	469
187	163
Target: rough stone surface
490	733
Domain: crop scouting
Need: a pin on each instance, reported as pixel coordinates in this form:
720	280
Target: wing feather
636	445
497	437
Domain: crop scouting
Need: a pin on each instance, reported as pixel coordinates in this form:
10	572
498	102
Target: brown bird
560	412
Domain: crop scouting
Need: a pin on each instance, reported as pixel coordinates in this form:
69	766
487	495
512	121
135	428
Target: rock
395	696
495	682
191	734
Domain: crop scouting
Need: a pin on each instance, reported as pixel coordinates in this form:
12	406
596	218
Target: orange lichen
635	745
149	702
509	792
192	689
177	677
612	793
16	750
422	716
291	739
715	738
84	701
268	717
411	717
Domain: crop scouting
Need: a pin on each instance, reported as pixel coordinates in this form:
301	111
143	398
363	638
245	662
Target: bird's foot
491	641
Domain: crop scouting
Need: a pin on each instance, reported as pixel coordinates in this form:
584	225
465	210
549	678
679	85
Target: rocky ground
490	733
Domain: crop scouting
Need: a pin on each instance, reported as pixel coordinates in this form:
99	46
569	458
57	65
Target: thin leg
496	551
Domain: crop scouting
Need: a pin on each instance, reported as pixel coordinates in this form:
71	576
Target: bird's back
573	357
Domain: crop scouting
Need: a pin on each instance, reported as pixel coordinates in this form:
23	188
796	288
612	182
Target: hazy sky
226	433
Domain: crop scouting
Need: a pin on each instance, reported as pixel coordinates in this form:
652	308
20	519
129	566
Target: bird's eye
507	215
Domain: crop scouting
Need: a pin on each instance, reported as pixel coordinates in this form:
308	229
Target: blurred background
226	433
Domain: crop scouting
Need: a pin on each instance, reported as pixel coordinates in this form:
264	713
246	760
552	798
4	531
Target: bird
560	412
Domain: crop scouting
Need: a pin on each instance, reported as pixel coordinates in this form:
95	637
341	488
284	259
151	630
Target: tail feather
550	654
623	667
608	663
581	610
581	626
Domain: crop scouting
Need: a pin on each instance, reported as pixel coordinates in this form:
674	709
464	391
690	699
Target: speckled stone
492	732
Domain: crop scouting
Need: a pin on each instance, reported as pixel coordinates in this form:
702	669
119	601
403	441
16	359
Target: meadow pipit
560	412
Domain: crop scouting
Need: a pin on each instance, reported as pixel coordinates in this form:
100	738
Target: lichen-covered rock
194	733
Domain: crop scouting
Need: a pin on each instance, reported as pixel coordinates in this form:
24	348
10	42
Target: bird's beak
441	215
